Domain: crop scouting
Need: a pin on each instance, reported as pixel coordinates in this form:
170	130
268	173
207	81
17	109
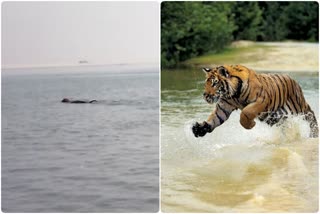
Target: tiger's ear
206	70
223	71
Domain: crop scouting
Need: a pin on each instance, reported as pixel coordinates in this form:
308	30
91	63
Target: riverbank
265	56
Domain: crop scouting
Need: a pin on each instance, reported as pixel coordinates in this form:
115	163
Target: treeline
191	29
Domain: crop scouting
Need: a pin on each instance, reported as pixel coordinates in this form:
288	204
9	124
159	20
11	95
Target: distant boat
83	61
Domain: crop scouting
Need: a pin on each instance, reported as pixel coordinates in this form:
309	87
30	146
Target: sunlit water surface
101	157
265	169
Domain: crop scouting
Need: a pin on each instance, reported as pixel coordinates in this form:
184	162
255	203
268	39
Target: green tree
273	26
190	29
248	20
302	20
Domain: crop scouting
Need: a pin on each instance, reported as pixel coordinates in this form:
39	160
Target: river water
101	157
265	169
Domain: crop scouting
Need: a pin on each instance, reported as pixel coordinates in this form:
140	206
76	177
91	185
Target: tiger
268	97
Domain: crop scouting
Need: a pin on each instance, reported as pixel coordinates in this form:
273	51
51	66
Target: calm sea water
265	169
59	157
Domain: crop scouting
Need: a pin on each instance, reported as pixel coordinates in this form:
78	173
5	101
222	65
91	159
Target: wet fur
268	97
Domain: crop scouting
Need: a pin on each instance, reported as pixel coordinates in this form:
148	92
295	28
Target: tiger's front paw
200	130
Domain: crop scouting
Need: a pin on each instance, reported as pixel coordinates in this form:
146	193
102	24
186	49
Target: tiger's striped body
268	97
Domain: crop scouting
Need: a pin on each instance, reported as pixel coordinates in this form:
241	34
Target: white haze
63	33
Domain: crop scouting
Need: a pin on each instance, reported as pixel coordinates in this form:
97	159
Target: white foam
179	141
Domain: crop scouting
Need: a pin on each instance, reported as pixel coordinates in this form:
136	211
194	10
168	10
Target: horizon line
9	67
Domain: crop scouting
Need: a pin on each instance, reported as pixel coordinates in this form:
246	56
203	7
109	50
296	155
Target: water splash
237	170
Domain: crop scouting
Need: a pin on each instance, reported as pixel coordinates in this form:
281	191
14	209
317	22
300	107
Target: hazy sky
62	33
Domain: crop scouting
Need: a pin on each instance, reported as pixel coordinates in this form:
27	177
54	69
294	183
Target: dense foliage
186	28
191	29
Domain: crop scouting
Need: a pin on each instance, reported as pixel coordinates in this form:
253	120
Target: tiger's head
222	81
213	87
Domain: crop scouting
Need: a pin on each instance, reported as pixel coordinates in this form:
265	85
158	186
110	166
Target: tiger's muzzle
211	98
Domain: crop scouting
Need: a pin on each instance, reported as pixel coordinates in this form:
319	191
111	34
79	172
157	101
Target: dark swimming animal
67	100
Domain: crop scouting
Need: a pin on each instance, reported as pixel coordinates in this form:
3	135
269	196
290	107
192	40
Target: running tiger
270	97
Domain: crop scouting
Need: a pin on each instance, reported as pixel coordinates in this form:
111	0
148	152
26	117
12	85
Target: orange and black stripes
270	97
